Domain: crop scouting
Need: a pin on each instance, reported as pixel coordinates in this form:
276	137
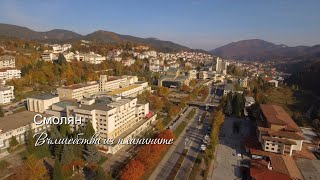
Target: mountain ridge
61	35
262	50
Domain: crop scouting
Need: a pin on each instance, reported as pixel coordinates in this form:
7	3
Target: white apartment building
221	66
128	62
6	94
154	65
243	82
78	91
17	125
61	48
122	118
69	56
49	56
91	58
110	83
41	103
192	74
131	90
9	73
7	62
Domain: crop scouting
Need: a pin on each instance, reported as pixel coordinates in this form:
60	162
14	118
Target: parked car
237	154
203	147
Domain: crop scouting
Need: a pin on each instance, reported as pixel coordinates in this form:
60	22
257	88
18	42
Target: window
267	147
272	148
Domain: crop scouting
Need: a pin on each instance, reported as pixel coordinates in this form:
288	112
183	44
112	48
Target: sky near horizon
199	24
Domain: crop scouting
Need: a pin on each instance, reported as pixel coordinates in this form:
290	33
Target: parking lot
227	165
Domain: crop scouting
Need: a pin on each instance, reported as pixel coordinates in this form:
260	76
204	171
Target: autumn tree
185	88
174	111
163	91
134	170
32	168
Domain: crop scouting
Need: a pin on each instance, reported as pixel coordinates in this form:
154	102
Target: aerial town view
159	90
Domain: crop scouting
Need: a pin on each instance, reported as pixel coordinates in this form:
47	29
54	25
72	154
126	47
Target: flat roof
17	120
43	96
6	57
77	86
121	90
64	104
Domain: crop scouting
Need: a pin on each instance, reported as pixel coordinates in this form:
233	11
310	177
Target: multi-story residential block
221	66
277	132
192	74
123	118
78	91
154	65
91	58
9	73
69	56
110	83
17	125
7	62
6	94
131	90
49	56
41	103
243	82
203	75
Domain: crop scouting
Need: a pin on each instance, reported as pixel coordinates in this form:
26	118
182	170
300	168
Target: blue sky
194	23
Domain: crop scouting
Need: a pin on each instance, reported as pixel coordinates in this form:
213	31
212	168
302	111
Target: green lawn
180	129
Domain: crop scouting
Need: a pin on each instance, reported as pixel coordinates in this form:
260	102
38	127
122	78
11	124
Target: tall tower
103	80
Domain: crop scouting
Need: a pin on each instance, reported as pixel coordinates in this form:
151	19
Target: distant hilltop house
6	94
7	62
91	58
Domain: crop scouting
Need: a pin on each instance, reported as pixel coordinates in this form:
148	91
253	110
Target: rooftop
6	57
77	86
121	90
277	115
64	104
44	96
17	120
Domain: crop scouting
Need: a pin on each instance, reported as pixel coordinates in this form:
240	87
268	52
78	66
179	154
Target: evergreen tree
65	130
30	141
57	171
61	59
89	131
91	154
13	141
55	148
228	105
67	154
101	175
238	104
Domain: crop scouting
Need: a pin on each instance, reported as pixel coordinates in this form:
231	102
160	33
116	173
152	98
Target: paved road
195	135
165	166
